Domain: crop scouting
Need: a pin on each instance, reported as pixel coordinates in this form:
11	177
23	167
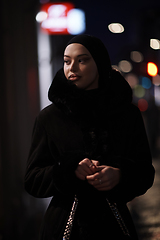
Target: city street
146	209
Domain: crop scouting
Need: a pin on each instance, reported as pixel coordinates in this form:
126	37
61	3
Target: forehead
76	49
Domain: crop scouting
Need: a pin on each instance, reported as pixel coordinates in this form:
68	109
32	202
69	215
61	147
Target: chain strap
118	217
114	209
69	225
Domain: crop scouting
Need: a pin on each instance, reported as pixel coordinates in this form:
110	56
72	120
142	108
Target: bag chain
69	225
118	217
114	209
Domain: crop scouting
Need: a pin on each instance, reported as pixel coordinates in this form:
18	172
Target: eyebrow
80	55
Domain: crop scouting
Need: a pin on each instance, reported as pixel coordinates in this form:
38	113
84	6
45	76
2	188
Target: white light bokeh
116	28
41	16
157	95
125	66
155	44
76	21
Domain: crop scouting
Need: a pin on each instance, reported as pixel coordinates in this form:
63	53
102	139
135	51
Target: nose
73	66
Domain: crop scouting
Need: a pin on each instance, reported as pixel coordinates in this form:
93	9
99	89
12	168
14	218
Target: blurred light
152	69
156	80
142	105
155	44
44	66
62	18
146	82
125	66
157	95
76	21
139	91
116	68
41	16
132	79
116	28
136	56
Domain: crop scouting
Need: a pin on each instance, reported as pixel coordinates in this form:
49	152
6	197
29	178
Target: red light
152	69
142	105
56	22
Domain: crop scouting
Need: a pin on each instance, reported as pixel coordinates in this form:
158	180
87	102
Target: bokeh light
116	68
125	66
152	69
136	56
142	105
155	44
146	83
41	16
116	28
156	80
78	25
132	79
157	95
139	91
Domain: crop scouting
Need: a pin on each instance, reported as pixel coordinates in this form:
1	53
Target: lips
74	77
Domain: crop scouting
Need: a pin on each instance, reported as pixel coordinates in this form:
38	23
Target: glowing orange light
142	105
152	69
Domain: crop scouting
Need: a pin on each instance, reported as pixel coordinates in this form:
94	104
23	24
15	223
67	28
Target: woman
89	148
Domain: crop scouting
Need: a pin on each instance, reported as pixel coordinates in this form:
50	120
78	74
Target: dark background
21	214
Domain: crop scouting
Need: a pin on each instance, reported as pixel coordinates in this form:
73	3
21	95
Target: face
80	67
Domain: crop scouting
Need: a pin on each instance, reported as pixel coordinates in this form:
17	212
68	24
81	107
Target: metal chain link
69	225
114	209
118	217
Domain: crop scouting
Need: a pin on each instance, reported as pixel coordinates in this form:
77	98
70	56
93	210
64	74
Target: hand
106	178
85	168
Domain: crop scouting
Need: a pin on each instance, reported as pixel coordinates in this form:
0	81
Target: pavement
145	209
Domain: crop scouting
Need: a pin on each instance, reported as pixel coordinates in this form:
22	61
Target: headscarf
99	53
113	93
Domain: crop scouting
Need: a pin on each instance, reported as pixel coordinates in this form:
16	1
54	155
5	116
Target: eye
83	60
66	61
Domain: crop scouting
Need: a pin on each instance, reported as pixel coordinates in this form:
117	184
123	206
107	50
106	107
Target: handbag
112	206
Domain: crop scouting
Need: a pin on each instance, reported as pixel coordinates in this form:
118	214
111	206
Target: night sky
141	20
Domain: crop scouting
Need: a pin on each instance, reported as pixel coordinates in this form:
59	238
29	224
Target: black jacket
100	124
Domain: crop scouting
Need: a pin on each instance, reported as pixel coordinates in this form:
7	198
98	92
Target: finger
95	162
94	176
96	182
105	185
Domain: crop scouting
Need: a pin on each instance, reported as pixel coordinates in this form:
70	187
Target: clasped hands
102	177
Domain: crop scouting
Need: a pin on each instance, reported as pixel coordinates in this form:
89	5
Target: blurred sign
62	18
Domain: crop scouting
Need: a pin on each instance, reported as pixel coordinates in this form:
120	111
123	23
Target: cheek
65	71
92	73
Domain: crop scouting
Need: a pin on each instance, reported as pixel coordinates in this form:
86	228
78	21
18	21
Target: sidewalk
145	210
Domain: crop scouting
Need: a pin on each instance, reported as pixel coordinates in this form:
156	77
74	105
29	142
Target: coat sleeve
137	171
47	173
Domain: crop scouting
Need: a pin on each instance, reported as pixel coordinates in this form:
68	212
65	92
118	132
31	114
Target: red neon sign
56	21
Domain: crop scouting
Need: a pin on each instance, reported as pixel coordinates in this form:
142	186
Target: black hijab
113	93
99	53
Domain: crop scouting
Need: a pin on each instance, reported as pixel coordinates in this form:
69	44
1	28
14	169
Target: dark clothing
100	124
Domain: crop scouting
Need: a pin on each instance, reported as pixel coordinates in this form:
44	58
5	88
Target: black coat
100	124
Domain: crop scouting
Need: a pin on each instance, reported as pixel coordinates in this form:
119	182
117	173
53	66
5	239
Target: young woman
89	149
